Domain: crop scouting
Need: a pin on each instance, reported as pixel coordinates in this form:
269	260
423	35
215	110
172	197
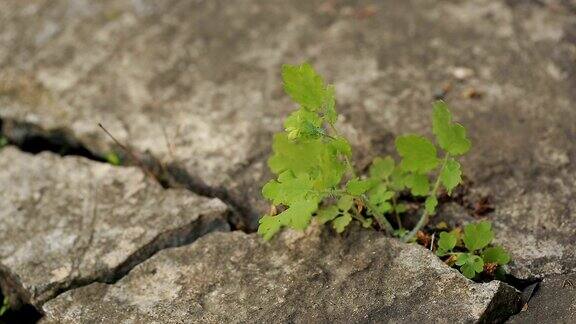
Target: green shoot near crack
475	248
315	177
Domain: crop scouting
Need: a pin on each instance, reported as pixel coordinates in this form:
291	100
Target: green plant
315	177
5	306
113	158
3	141
476	251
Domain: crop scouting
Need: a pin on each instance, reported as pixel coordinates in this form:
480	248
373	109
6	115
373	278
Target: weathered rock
302	278
66	222
553	302
198	83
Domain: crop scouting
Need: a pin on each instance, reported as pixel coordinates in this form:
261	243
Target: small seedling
477	253
315	177
3	141
113	159
5	306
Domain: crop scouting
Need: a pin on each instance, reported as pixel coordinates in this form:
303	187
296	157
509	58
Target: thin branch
382	221
133	157
425	216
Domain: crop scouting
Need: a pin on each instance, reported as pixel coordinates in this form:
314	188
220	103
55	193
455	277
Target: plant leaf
303	124
379	198
418	154
345	203
470	264
418	184
477	236
450	136
451	175
297	216
357	187
341	222
313	157
327	214
496	254
382	168
287	189
446	243
330	100
269	225
430	204
304	85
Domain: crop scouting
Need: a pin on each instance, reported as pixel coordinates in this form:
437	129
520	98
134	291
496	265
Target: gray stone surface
554	302
69	221
197	82
315	277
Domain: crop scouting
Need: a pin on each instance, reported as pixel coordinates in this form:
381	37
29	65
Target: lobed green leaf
297	216
470	264
341	222
304	86
357	187
496	254
477	236
430	205
330	100
418	154
446	243
327	214
382	168
288	188
418	183
450	136
303	124
451	175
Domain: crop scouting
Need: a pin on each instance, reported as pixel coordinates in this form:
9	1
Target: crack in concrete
168	239
31	138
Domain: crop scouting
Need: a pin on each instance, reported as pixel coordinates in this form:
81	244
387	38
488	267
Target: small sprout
113	158
446	243
478	255
470	264
478	236
3	141
496	255
5	306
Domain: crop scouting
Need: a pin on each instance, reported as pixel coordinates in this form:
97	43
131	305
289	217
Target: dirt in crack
32	139
241	214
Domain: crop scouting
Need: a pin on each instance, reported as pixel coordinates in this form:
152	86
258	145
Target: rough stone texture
298	278
197	82
69	221
554	302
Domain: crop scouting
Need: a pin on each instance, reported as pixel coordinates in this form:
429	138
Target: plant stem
346	159
425	217
394	204
350	167
382	221
358	217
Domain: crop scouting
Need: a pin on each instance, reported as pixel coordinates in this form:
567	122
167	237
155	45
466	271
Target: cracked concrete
554	301
300	277
196	84
66	222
